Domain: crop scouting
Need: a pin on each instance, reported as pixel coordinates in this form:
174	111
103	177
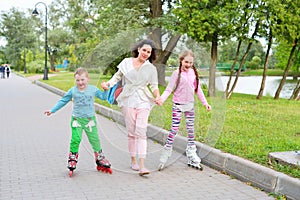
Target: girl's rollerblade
72	161
193	159
102	163
165	154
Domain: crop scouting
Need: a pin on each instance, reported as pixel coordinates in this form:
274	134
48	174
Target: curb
247	171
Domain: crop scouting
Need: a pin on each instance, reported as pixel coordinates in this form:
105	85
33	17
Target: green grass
242	125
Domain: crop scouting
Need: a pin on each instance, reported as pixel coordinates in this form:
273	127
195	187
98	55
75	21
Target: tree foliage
229	29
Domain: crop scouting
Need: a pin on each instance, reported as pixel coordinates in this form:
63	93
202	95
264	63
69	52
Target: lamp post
35	13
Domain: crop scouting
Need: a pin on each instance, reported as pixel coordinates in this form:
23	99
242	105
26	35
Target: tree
16	28
59	43
268	27
287	30
207	21
296	92
94	22
263	82
252	17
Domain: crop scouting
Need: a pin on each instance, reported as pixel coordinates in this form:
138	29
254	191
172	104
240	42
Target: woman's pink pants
136	121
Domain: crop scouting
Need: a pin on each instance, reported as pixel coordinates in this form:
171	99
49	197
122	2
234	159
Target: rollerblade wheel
98	168
200	168
161	166
70	173
104	169
109	170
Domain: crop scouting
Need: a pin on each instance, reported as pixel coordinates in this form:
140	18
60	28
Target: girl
136	100
184	83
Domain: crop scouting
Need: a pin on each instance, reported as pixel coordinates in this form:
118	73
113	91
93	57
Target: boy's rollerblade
72	161
102	163
193	159
165	154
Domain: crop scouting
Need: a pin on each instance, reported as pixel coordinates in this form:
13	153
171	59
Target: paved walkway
34	148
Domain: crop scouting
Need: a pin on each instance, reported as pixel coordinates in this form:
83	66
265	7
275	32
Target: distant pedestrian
65	63
83	118
136	100
2	71
184	84
7	70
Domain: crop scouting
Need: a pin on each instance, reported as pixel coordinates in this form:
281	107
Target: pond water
251	85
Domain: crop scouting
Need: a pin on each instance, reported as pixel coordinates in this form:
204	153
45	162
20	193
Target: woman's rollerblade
193	159
165	154
102	163
72	161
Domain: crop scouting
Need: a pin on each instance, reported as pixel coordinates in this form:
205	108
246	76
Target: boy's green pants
89	125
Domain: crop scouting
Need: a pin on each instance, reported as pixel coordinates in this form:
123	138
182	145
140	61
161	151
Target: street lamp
35	13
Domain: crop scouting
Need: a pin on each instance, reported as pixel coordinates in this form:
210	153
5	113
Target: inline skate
193	159
102	163
165	154
72	161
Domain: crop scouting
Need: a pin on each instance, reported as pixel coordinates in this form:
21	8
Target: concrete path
34	148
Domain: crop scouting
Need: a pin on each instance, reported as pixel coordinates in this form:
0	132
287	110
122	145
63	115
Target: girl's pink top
185	90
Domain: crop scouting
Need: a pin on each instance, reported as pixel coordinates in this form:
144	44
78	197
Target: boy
83	118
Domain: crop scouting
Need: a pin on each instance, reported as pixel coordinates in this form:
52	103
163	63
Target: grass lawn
242	125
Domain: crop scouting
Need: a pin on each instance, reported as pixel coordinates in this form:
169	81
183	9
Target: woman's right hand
104	85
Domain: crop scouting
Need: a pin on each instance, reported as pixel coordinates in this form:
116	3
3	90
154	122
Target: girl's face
187	63
81	81
144	52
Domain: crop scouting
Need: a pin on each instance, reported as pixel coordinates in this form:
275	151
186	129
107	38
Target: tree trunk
25	69
212	69
163	57
243	60
286	71
52	59
296	92
156	34
263	81
239	70
232	67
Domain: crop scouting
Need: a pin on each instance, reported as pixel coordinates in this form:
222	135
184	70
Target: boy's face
81	81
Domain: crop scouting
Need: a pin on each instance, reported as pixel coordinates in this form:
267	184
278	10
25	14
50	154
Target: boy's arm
101	95
63	101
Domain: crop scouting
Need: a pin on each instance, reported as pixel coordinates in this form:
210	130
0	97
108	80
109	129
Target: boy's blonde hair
81	71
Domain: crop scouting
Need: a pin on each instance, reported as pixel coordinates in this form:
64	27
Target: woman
136	100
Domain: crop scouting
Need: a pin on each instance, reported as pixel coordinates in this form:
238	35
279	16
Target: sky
21	5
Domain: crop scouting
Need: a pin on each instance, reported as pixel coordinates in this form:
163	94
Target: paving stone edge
247	171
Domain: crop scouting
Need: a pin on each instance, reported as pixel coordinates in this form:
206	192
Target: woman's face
187	63
144	52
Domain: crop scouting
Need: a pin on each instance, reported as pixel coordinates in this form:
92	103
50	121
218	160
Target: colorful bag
114	92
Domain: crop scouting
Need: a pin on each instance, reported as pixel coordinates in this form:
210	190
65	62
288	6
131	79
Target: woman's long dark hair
135	52
181	57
